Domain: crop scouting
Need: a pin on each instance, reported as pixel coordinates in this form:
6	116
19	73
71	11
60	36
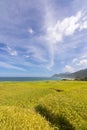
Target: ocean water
23	79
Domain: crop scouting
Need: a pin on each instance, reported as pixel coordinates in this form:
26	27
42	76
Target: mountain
62	75
82	74
79	74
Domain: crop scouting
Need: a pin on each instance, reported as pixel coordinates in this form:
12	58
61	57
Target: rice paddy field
44	105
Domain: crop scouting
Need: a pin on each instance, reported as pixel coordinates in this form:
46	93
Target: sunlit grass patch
16	118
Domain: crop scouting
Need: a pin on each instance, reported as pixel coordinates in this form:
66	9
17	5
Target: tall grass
52	105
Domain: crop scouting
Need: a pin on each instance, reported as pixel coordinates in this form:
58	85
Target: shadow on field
57	90
57	121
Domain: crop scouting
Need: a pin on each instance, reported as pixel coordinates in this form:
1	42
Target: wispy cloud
9	66
11	51
80	62
31	31
69	68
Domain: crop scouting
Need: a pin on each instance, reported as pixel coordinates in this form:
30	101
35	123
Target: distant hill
82	74
79	74
62	75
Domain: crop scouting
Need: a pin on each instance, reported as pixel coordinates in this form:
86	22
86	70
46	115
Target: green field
48	105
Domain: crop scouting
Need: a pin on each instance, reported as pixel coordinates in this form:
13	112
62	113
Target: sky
42	37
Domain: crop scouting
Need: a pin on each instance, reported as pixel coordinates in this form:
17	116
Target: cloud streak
9	66
56	33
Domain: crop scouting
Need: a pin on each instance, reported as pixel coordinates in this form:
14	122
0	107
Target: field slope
48	105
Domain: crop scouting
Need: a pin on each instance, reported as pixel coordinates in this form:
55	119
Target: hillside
82	74
62	75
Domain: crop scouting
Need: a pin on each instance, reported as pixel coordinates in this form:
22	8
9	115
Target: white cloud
55	33
11	51
69	68
27	56
63	28
74	60
84	25
84	56
82	62
31	31
66	27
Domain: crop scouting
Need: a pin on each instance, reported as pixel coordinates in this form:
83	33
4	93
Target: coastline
26	79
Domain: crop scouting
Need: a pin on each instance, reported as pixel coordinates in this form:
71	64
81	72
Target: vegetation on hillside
78	75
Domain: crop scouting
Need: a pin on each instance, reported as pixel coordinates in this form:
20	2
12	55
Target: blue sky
41	38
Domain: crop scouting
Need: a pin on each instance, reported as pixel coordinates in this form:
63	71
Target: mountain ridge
81	74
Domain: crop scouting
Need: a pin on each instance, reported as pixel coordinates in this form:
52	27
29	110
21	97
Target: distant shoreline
26	79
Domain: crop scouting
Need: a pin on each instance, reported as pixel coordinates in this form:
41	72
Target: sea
26	79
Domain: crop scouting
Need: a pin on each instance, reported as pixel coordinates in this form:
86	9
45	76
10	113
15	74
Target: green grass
48	105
